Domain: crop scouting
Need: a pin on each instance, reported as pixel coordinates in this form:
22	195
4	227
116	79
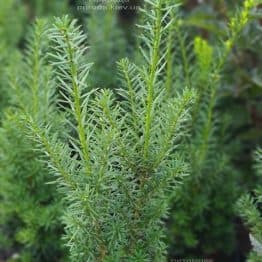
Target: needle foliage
249	208
121	165
202	221
30	209
109	159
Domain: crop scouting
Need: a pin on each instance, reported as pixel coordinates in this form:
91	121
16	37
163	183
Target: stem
152	78
77	106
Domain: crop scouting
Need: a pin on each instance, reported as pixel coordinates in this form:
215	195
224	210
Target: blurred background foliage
239	107
113	35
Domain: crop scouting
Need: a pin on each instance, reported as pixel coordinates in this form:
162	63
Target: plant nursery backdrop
130	130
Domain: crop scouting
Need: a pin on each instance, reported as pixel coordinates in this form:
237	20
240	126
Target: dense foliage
249	210
30	209
120	173
212	187
116	140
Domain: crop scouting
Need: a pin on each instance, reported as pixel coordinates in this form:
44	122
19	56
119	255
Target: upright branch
73	73
36	43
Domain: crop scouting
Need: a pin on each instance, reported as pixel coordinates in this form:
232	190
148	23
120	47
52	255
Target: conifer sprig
248	208
131	169
210	165
153	37
38	214
72	75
